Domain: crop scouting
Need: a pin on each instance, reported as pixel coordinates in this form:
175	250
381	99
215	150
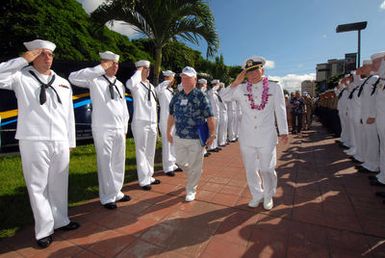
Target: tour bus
81	101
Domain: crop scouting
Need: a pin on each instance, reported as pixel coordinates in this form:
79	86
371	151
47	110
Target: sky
293	35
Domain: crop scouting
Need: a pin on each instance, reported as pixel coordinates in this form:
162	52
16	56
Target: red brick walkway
323	208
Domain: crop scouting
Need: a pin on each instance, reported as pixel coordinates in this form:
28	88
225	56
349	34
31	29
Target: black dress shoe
376	183
218	149
171	173
372	178
356	160
110	205
365	171
125	198
146	187
71	226
156	182
44	242
380	194
207	154
178	170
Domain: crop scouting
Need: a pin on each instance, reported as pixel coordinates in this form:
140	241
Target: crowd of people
361	104
300	109
46	128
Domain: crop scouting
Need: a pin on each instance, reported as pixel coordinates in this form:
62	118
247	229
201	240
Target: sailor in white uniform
232	120
202	86
144	123
165	91
109	125
46	132
342	107
370	143
212	95
263	105
378	67
222	130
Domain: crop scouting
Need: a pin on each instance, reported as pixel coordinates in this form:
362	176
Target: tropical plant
163	21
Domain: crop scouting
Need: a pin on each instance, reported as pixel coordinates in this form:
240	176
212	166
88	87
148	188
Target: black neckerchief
111	86
150	92
351	93
362	85
375	86
44	87
340	94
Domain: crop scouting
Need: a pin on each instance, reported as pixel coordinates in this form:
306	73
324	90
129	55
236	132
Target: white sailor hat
39	43
168	73
215	81
108	55
189	71
367	62
142	63
253	63
377	55
202	81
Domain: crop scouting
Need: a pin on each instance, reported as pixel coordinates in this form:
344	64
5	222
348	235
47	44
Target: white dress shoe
190	197
268	203
254	203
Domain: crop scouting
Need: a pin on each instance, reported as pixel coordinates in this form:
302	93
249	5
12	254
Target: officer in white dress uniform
222	130
46	132
212	95
262	104
144	123
378	67
165	91
370	143
109	125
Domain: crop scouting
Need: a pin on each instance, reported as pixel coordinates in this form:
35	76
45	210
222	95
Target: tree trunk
158	62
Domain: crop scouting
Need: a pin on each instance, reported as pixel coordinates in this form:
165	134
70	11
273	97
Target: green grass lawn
15	211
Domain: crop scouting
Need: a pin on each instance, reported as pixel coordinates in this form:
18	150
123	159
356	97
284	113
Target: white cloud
118	26
292	82
382	6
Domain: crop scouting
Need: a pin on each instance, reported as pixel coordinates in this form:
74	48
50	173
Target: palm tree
163	21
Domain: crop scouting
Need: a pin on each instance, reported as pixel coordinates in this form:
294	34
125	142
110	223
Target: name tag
183	102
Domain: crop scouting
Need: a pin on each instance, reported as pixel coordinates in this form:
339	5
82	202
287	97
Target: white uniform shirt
368	100
380	104
214	101
106	112
342	104
354	104
51	121
258	126
144	109
164	96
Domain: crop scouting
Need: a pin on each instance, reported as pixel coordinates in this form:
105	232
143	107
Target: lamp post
358	26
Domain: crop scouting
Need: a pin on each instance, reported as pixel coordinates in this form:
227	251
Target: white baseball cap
189	71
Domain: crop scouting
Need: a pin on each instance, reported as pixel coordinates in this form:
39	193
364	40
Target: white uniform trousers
353	143
259	163
222	129
345	129
231	128
168	150
45	168
189	156
371	148
359	155
214	145
145	134
110	147
381	134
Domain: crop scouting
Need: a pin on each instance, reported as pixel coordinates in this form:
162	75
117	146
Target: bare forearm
170	123
211	124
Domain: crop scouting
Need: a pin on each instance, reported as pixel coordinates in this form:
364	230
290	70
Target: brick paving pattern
323	208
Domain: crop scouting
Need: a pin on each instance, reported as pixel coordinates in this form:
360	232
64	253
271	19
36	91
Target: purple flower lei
265	95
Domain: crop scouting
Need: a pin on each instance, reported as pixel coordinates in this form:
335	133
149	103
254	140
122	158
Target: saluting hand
239	79
32	54
106	64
